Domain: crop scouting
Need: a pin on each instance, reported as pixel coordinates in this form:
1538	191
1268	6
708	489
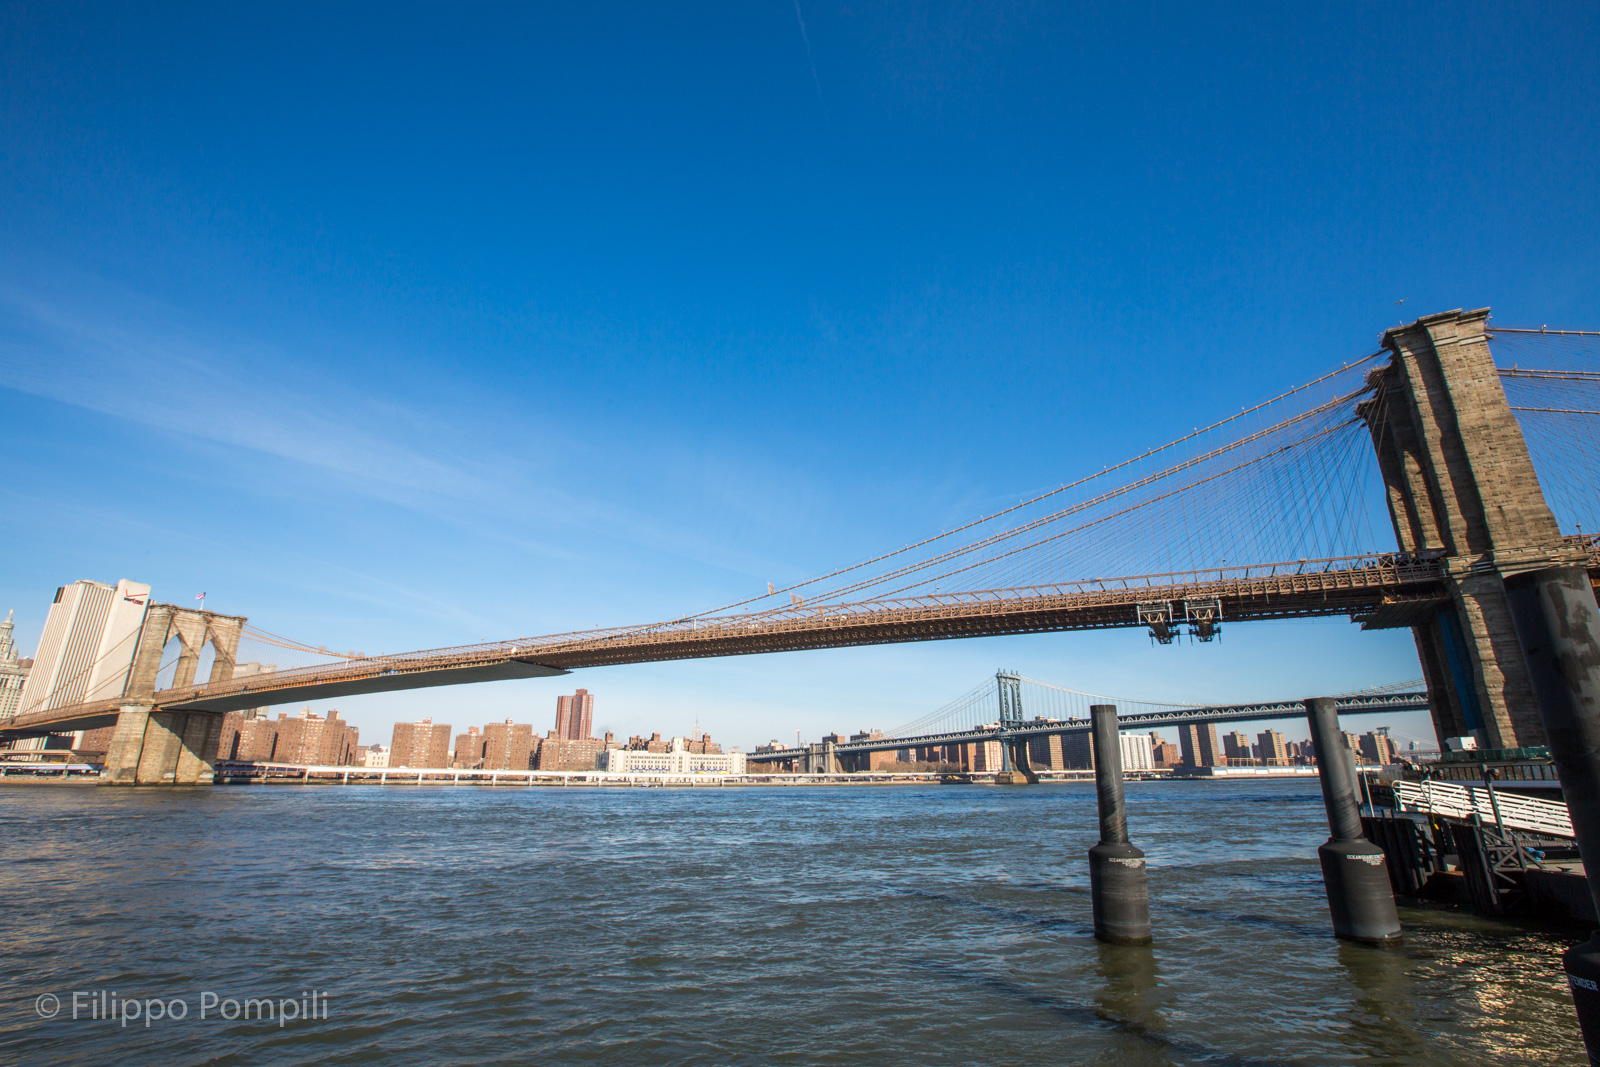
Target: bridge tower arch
1461	488
151	746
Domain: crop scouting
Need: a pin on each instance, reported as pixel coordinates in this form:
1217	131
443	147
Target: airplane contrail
806	39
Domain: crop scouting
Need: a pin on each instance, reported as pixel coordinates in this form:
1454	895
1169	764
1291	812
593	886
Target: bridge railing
1299	575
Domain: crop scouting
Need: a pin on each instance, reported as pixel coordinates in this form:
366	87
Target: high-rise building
575	716
305	738
1138	751
1236	746
1271	748
1199	743
507	746
469	748
1164	753
568	754
420	744
1046	753
88	643
87	647
13	670
1378	749
326	741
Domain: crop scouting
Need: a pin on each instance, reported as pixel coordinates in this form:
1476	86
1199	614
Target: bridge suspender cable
1042	496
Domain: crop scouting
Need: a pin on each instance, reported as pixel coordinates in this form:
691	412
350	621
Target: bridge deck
1282	709
1381	590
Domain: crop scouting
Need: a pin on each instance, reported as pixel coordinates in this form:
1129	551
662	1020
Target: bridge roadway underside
105	713
1286	709
1378	591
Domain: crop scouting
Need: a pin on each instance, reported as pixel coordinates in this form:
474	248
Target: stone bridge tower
1461	488
154	747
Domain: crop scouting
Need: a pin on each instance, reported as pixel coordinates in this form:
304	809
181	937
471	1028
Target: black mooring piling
1353	869
1117	882
1558	627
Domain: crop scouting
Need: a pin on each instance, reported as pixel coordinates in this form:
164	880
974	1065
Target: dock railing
1517	812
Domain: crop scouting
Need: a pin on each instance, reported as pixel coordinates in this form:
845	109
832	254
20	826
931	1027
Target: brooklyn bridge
1402	489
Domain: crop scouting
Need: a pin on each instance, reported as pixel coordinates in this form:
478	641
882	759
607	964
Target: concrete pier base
153	747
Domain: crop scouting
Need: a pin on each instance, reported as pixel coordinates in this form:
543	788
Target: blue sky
398	326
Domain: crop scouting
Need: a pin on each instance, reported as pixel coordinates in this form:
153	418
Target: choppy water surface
916	925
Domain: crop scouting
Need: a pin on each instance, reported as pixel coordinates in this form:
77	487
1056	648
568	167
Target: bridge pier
1461	488
1558	628
153	747
127	742
1118	888
1354	872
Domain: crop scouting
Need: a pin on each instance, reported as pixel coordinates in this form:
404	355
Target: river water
834	925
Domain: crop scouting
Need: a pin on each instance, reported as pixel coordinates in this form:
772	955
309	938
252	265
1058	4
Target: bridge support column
1558	627
1118	887
1015	767
1354	872
197	759
163	742
151	747
127	742
1461	487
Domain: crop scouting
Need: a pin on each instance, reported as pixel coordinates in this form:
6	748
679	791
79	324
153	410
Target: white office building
1138	752
678	760
377	756
87	647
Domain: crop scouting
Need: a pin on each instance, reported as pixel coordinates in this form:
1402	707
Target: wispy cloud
131	359
501	469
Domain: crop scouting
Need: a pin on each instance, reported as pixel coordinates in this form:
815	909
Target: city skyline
392	417
574	713
1050	485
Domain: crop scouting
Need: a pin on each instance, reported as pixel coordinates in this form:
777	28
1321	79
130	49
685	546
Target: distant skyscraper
13	671
507	746
420	744
575	716
87	646
85	651
1199	744
1164	753
1377	748
1138	751
1272	748
469	748
1236	746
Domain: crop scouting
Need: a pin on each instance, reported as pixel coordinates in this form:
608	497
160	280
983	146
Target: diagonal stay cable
834	595
1134	507
1042	496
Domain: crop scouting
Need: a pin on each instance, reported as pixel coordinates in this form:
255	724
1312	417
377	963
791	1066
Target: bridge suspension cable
1295	481
1552	383
1347	372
